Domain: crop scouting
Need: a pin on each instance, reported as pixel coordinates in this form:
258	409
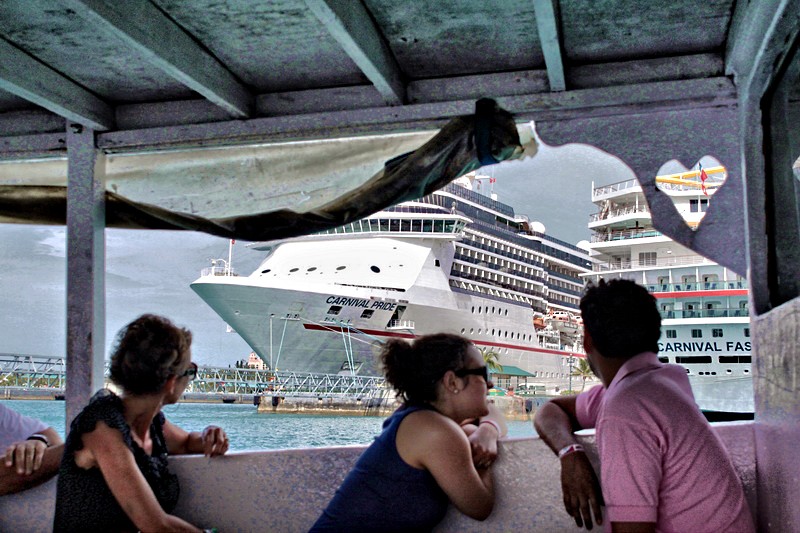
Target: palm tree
490	357
583	371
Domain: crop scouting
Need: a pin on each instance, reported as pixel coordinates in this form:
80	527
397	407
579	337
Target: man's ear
588	345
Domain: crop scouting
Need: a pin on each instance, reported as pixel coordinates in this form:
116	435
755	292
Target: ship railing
615	187
625	234
695	286
218	271
606	214
490	283
717	312
401	324
663	261
538	276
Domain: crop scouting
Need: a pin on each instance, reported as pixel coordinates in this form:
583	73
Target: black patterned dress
83	501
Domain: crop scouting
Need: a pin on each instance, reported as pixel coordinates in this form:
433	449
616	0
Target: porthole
375	269
294	270
341	267
479	331
267	271
463	330
311	269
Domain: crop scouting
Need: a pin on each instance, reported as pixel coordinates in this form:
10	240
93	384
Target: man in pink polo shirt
662	466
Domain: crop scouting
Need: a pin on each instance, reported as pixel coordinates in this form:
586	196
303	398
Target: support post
85	269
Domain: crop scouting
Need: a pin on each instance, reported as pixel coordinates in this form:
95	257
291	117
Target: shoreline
513	407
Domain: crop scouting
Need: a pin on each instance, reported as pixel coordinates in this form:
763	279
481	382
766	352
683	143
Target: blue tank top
383	493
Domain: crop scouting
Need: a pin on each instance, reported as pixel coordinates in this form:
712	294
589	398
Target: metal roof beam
26	77
548	22
587	103
166	45
351	25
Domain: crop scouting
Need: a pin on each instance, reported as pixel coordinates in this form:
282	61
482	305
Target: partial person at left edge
114	475
31	451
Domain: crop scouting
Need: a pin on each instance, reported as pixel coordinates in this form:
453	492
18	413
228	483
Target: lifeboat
565	322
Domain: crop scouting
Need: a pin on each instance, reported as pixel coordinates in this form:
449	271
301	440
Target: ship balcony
619	215
694	286
400	325
716	312
614	190
637	233
663	261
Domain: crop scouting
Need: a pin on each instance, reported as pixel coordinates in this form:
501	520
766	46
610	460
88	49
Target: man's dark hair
621	317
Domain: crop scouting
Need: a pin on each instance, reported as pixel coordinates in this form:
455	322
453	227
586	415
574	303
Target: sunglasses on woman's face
481	371
190	372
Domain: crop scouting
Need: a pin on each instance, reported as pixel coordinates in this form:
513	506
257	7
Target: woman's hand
483	442
27	455
214	441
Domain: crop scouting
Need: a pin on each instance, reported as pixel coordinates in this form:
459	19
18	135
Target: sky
150	271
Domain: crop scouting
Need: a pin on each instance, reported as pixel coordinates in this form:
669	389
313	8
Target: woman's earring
455	391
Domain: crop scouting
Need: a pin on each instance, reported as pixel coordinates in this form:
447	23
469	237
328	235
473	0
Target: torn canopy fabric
458	148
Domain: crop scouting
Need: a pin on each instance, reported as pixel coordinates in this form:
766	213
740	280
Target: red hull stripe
688	294
379	333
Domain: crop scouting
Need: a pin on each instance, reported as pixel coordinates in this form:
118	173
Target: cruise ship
704	306
455	261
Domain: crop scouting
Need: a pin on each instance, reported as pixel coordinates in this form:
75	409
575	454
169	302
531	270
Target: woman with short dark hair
114	474
437	448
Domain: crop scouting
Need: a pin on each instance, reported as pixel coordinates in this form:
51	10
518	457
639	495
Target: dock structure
20	372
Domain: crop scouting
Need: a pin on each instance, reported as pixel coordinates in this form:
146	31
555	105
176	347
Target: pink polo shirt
660	460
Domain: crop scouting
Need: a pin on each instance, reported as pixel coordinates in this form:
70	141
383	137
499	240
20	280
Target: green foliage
583	371
490	357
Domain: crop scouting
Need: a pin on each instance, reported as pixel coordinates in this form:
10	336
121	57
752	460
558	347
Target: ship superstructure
704	306
453	261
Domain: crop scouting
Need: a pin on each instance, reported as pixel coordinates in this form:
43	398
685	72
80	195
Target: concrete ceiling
301	69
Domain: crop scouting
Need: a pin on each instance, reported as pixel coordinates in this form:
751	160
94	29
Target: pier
46	373
38	377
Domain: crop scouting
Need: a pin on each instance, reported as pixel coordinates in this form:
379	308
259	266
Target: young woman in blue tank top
436	449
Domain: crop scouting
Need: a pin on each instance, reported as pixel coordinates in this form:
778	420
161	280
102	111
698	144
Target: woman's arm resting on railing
483	436
105	448
212	441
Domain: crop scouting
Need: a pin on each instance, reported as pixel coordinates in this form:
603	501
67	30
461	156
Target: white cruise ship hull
324	303
292	329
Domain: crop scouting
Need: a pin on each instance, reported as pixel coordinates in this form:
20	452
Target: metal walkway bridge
42	372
